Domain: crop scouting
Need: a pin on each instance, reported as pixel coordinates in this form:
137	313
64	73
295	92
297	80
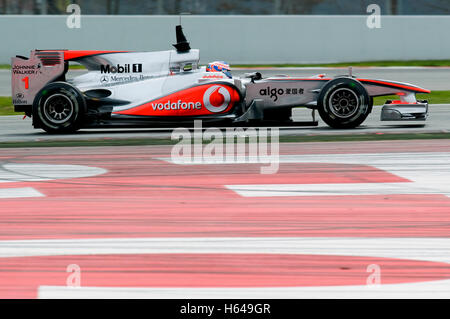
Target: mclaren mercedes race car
123	88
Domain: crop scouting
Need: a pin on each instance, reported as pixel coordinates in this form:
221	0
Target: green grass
89	142
6	107
435	97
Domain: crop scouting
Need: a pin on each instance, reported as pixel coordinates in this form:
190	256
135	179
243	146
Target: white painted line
404	161
32	172
273	190
429	173
426	249
19	192
423	290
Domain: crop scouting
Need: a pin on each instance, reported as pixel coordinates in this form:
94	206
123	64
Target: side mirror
253	76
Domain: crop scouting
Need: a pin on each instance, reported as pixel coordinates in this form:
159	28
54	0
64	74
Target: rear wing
30	75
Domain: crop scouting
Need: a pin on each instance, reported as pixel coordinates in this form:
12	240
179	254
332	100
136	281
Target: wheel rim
58	108
344	103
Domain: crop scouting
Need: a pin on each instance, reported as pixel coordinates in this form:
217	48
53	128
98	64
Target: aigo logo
216	99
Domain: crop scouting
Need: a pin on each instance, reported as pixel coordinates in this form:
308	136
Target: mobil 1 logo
121	68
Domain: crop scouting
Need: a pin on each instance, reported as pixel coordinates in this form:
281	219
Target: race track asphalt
15	128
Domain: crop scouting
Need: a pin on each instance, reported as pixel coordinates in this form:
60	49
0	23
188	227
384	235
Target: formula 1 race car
123	88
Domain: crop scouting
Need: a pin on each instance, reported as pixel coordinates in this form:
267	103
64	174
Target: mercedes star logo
104	79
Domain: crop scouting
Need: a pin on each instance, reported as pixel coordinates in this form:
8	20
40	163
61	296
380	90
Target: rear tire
59	108
344	103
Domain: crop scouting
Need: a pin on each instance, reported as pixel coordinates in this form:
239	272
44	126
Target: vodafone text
177	105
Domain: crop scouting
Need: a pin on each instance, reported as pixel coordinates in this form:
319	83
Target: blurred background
256	32
223	7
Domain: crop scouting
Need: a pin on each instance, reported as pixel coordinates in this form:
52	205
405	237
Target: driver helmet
219	66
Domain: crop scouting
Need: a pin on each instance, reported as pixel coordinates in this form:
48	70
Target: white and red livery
124	88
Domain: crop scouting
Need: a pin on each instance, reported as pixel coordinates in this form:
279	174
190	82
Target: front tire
344	103
59	108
